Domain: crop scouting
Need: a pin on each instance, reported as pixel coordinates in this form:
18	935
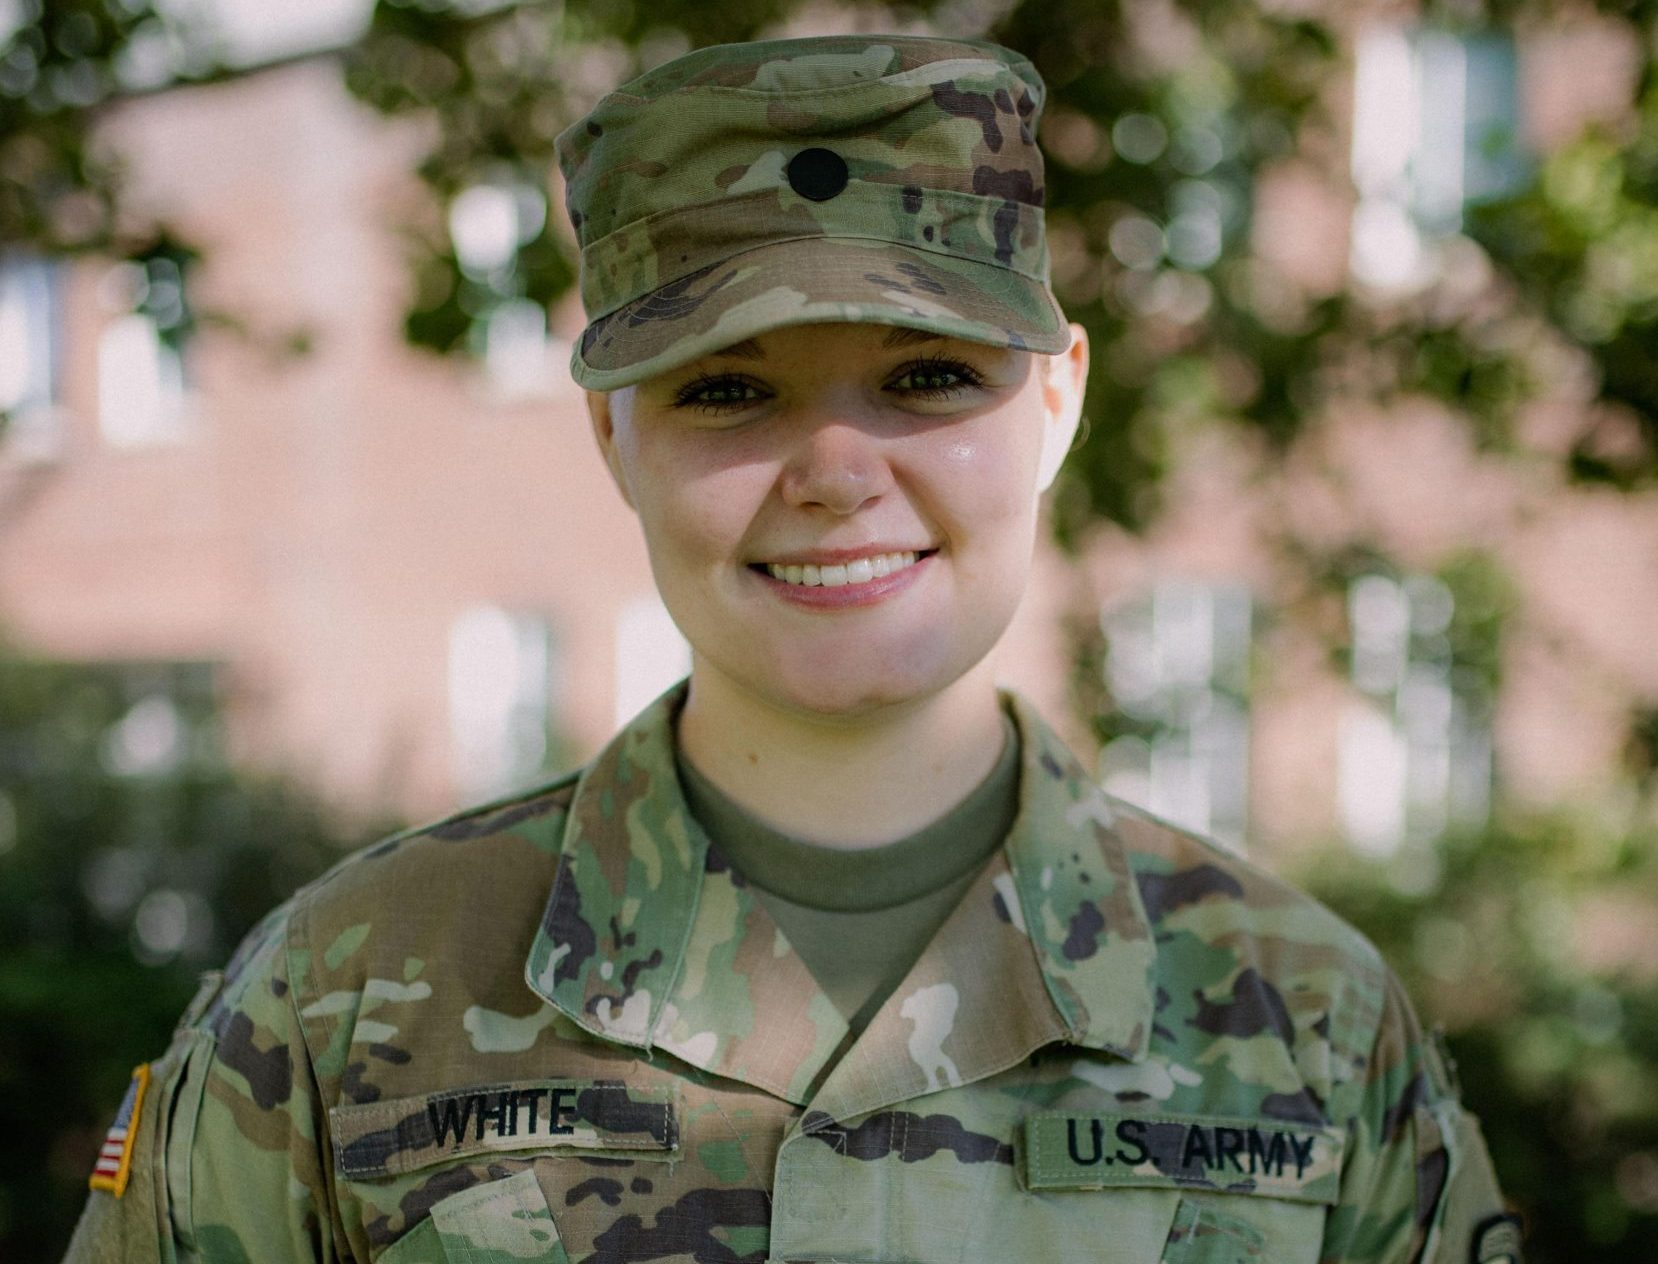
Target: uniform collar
649	939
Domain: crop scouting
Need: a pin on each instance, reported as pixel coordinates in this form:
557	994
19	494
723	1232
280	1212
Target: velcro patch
1235	1156
114	1163
1497	1241
388	1138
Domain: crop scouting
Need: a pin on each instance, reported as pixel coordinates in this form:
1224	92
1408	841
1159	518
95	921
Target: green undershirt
859	918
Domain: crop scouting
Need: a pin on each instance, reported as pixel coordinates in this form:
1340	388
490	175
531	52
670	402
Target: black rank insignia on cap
817	174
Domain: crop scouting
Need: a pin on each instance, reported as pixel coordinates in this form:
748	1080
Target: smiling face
841	517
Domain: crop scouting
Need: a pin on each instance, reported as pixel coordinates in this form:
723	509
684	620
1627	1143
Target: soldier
835	952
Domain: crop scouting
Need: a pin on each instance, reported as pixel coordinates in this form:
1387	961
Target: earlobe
1065	376
604	433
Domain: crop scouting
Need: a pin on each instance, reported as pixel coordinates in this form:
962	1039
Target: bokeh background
302	536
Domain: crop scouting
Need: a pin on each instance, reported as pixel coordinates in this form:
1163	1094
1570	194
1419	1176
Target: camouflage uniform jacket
559	1027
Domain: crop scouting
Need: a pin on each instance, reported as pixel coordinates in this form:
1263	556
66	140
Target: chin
865	683
851	699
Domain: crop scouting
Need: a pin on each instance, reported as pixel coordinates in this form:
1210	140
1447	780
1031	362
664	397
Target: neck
843	782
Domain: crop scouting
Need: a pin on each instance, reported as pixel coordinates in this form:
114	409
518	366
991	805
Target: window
1178	669
1415	747
502	684
1435	128
30	425
141	371
490	225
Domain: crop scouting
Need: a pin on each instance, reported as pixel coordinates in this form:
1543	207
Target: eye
935	378
718	393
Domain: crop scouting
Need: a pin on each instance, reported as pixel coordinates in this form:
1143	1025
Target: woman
836	952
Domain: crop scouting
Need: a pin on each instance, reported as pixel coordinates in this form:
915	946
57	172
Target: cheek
699	515
987	483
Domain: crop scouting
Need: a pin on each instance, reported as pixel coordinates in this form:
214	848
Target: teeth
859	572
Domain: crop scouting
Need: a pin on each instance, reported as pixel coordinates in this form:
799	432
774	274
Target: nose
836	464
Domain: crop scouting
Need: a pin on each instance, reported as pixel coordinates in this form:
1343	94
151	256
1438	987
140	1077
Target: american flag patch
115	1159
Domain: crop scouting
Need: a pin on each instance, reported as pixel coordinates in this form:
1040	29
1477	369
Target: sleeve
1417	1185
227	1152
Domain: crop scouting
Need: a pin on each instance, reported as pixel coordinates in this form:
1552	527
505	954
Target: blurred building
412	584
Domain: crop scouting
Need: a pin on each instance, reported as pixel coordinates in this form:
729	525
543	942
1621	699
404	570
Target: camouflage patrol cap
740	188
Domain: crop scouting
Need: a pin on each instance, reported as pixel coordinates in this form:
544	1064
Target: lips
855	570
845	585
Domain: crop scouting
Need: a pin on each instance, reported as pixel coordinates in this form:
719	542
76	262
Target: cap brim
816	280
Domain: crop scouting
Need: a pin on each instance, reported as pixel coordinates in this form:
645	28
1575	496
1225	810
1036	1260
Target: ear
604	432
1064	378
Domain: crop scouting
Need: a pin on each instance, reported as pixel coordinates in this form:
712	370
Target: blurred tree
131	858
57	64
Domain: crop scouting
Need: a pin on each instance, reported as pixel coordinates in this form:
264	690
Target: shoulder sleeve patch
114	1162
1497	1241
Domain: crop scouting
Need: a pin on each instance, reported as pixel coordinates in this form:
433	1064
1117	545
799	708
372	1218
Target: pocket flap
498	1222
1202	1235
377	1139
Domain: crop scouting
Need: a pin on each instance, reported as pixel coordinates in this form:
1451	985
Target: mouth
862	570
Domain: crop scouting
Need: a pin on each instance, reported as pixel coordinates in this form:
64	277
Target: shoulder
440	868
1178	870
525	821
1244	957
1272	1004
378	924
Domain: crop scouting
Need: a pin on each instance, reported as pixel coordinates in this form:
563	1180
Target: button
817	174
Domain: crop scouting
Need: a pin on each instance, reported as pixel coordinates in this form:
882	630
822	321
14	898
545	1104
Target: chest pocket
1139	1226
451	1176
903	1188
497	1222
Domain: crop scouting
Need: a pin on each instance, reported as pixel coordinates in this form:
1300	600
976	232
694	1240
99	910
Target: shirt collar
648	939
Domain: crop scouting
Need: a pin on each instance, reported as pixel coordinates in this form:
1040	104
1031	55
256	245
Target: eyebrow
899	337
749	349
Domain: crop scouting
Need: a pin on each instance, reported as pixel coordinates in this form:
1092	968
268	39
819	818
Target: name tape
388	1138
1081	1151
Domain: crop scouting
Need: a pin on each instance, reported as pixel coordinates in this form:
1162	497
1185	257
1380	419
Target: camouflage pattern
560	1027
700	225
